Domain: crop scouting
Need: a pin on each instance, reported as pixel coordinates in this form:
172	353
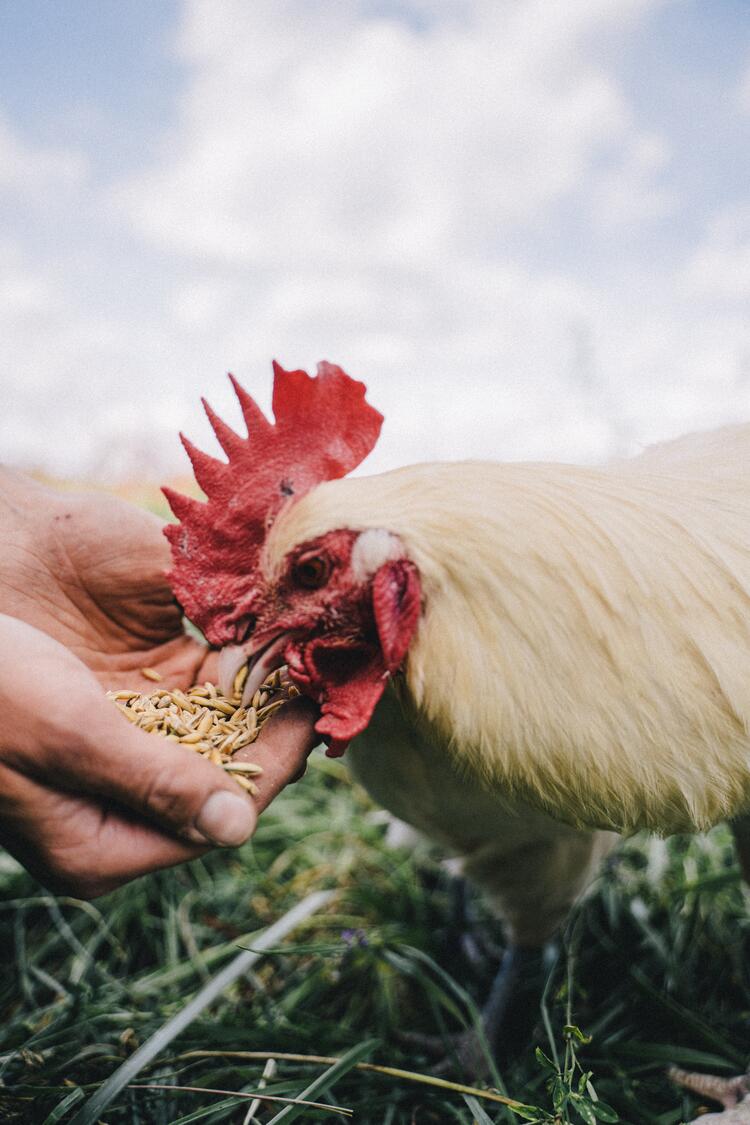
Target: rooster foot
470	941
732	1093
471	1052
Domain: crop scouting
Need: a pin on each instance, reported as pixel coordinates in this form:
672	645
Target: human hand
88	801
88	570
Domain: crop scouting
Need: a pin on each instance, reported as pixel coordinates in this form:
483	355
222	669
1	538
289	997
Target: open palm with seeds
87	800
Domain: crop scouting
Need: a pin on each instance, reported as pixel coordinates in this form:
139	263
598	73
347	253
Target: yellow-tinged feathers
585	641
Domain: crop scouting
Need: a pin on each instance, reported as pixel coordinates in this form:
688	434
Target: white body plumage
582	662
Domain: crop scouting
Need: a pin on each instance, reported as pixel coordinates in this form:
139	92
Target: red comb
323	429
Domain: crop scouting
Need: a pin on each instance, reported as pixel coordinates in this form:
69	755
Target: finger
76	738
74	846
104	754
282	748
208	669
180	662
183	662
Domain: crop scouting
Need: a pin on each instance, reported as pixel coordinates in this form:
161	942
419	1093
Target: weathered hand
88	801
88	569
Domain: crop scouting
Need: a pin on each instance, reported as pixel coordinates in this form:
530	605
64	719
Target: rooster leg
502	1018
470	941
467	944
502	1015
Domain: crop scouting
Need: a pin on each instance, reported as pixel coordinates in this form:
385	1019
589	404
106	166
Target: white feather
373	548
586	637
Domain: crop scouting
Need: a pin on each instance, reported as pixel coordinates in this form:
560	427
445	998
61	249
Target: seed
226	744
271	709
180	700
204	724
244	740
239	679
176	725
151	674
246	783
222	705
251	768
204	721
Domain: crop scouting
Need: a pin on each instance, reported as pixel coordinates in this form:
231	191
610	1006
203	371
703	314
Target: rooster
528	660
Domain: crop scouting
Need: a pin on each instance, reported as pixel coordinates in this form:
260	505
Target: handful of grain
214	725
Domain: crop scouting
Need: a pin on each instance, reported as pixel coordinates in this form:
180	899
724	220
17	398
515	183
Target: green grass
655	968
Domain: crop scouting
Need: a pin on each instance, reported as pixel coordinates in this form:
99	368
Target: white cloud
630	193
197	305
405	196
719	268
310	134
352	180
34	169
22	293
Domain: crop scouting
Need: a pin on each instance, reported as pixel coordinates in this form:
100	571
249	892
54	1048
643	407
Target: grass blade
241	1095
346	1063
90	1113
62	1107
480	1116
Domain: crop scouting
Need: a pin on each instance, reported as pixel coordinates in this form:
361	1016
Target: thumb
72	737
165	782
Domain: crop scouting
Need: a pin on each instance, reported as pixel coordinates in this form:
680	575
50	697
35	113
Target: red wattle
335	747
346	678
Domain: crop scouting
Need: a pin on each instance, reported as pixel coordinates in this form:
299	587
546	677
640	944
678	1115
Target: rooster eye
312	572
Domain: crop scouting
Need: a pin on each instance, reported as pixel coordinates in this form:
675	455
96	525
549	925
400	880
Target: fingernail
226	819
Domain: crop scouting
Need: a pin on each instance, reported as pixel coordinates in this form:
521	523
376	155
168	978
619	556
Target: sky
525	225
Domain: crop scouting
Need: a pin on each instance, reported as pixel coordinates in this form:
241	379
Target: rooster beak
261	655
231	659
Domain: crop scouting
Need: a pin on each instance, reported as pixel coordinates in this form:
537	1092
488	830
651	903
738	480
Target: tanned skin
87	801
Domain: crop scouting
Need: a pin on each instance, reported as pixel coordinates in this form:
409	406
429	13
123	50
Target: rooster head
339	610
